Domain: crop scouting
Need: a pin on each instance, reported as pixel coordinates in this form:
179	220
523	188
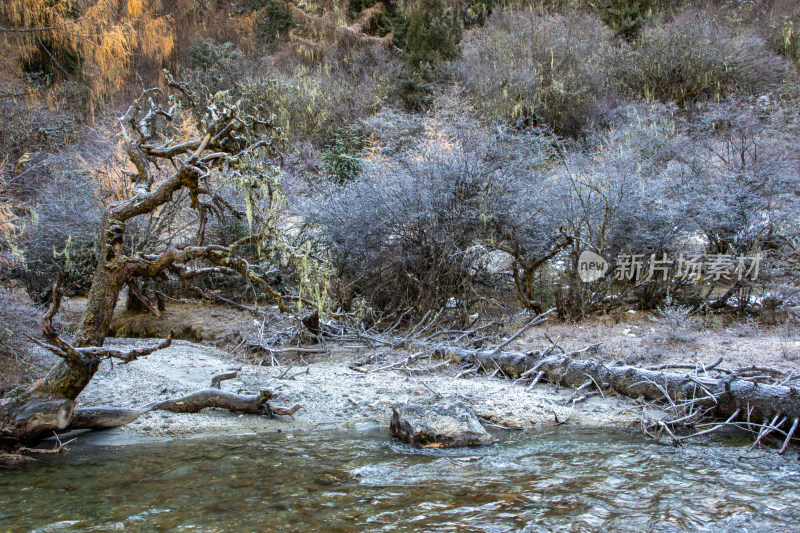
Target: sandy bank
332	395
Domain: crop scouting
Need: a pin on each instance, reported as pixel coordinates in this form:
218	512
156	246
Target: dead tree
697	399
169	175
696	403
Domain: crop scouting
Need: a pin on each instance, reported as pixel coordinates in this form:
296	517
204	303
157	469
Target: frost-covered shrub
19	358
527	69
727	181
612	201
405	233
781	27
311	103
736	176
62	230
676	321
697	56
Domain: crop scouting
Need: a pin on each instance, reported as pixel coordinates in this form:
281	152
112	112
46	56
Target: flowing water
565	479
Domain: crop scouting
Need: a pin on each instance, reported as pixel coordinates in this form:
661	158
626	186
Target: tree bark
113	271
29	417
725	396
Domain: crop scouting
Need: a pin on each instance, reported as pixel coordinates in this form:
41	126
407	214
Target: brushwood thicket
430	153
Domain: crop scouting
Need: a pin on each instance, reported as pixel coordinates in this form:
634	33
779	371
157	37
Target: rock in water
437	426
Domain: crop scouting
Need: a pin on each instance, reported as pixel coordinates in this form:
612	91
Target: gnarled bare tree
225	147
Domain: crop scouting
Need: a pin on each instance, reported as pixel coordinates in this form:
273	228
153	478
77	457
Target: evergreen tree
434	34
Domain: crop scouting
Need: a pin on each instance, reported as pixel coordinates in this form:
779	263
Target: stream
565	478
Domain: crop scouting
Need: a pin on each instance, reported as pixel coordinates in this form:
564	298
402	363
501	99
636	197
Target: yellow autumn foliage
109	36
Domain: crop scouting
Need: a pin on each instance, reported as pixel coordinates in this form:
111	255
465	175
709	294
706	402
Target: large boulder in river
437	426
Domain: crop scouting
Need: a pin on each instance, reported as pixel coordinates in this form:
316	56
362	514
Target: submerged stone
437	426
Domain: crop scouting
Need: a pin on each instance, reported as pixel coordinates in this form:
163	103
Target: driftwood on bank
36	419
28	417
214	396
701	399
724	395
694	400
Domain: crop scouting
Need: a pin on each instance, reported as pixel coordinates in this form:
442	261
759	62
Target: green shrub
341	161
433	34
392	20
625	17
416	87
430	38
476	12
357	6
206	54
274	21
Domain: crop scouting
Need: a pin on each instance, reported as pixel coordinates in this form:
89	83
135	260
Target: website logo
591	266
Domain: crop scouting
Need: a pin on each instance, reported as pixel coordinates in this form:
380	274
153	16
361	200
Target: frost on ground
332	395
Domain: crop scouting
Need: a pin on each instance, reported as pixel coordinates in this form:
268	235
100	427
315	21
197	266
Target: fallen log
735	398
104	417
111	417
724	396
256	404
27	418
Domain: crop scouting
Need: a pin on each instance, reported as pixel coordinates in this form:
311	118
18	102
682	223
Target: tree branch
27	30
62	348
126	357
136	292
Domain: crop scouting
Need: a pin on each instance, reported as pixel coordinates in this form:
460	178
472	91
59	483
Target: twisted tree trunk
223	139
110	276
